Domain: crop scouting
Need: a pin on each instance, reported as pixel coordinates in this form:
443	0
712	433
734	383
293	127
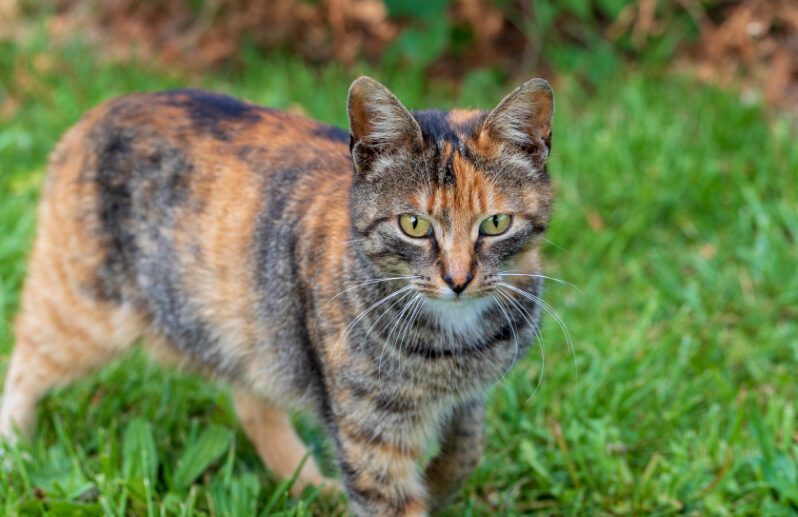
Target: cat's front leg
379	467
461	447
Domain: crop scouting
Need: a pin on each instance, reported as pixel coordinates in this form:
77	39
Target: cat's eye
495	224
414	225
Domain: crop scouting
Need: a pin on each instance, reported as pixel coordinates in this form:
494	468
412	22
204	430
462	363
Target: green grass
676	217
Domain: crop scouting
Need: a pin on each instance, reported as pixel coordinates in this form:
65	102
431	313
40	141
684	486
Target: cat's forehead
455	126
451	157
459	188
464	173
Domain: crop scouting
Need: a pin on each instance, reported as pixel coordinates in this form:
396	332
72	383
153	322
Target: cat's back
188	160
176	201
200	128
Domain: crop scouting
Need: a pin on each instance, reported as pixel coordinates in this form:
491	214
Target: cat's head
452	198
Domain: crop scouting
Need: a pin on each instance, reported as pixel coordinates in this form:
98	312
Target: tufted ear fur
523	117
378	122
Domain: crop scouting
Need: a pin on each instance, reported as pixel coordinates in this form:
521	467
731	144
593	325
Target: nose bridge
458	258
458	267
457	248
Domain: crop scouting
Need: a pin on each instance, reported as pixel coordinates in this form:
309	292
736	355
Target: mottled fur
253	244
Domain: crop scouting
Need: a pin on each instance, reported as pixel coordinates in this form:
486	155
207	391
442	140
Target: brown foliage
173	32
751	44
758	41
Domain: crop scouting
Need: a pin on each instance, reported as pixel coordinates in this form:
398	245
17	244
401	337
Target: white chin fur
458	316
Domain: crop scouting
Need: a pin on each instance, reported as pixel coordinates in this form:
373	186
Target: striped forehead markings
463	195
451	126
455	174
446	175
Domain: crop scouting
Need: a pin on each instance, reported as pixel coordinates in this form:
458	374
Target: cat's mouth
449	296
444	292
462	313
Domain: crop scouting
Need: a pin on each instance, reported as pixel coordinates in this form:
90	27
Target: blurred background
670	386
751	45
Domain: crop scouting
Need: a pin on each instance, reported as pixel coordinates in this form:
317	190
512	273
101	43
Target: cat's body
243	241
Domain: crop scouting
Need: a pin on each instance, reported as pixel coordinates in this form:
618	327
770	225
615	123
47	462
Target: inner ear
523	117
378	120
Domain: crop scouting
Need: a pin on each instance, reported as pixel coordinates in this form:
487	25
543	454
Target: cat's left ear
378	122
524	117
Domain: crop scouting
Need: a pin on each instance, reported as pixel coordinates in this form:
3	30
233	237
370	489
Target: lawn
676	218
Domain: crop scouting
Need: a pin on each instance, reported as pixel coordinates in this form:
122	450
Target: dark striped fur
266	249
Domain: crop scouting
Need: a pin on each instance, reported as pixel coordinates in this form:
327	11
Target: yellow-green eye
414	225
495	224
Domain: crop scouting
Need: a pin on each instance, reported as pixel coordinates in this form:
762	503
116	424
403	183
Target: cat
382	278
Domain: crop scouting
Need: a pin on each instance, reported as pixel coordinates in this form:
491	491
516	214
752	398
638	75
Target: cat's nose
459	283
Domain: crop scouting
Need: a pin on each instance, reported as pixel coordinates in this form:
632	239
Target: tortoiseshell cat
383	278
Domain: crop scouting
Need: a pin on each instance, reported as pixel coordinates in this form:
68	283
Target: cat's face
451	199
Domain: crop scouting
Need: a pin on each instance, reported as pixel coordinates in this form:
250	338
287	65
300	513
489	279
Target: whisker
397	301
538	337
370	282
400	315
418	303
410	322
558	280
551	243
361	284
339	342
515	335
551	312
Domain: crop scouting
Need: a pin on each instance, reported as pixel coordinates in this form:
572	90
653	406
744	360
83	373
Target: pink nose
458	278
458	286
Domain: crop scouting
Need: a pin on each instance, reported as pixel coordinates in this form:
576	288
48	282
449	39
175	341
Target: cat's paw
10	456
331	486
328	486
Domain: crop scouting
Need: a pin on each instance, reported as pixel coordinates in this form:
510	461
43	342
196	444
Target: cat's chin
458	314
449	296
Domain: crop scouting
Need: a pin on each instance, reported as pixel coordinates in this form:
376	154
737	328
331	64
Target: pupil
496	221
414	222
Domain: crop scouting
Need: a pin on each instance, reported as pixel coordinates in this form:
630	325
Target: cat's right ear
524	117
378	123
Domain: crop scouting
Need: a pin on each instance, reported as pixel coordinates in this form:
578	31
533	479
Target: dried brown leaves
172	32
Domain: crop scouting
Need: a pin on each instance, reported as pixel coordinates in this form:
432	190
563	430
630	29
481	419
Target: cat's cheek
392	253
488	258
525	261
